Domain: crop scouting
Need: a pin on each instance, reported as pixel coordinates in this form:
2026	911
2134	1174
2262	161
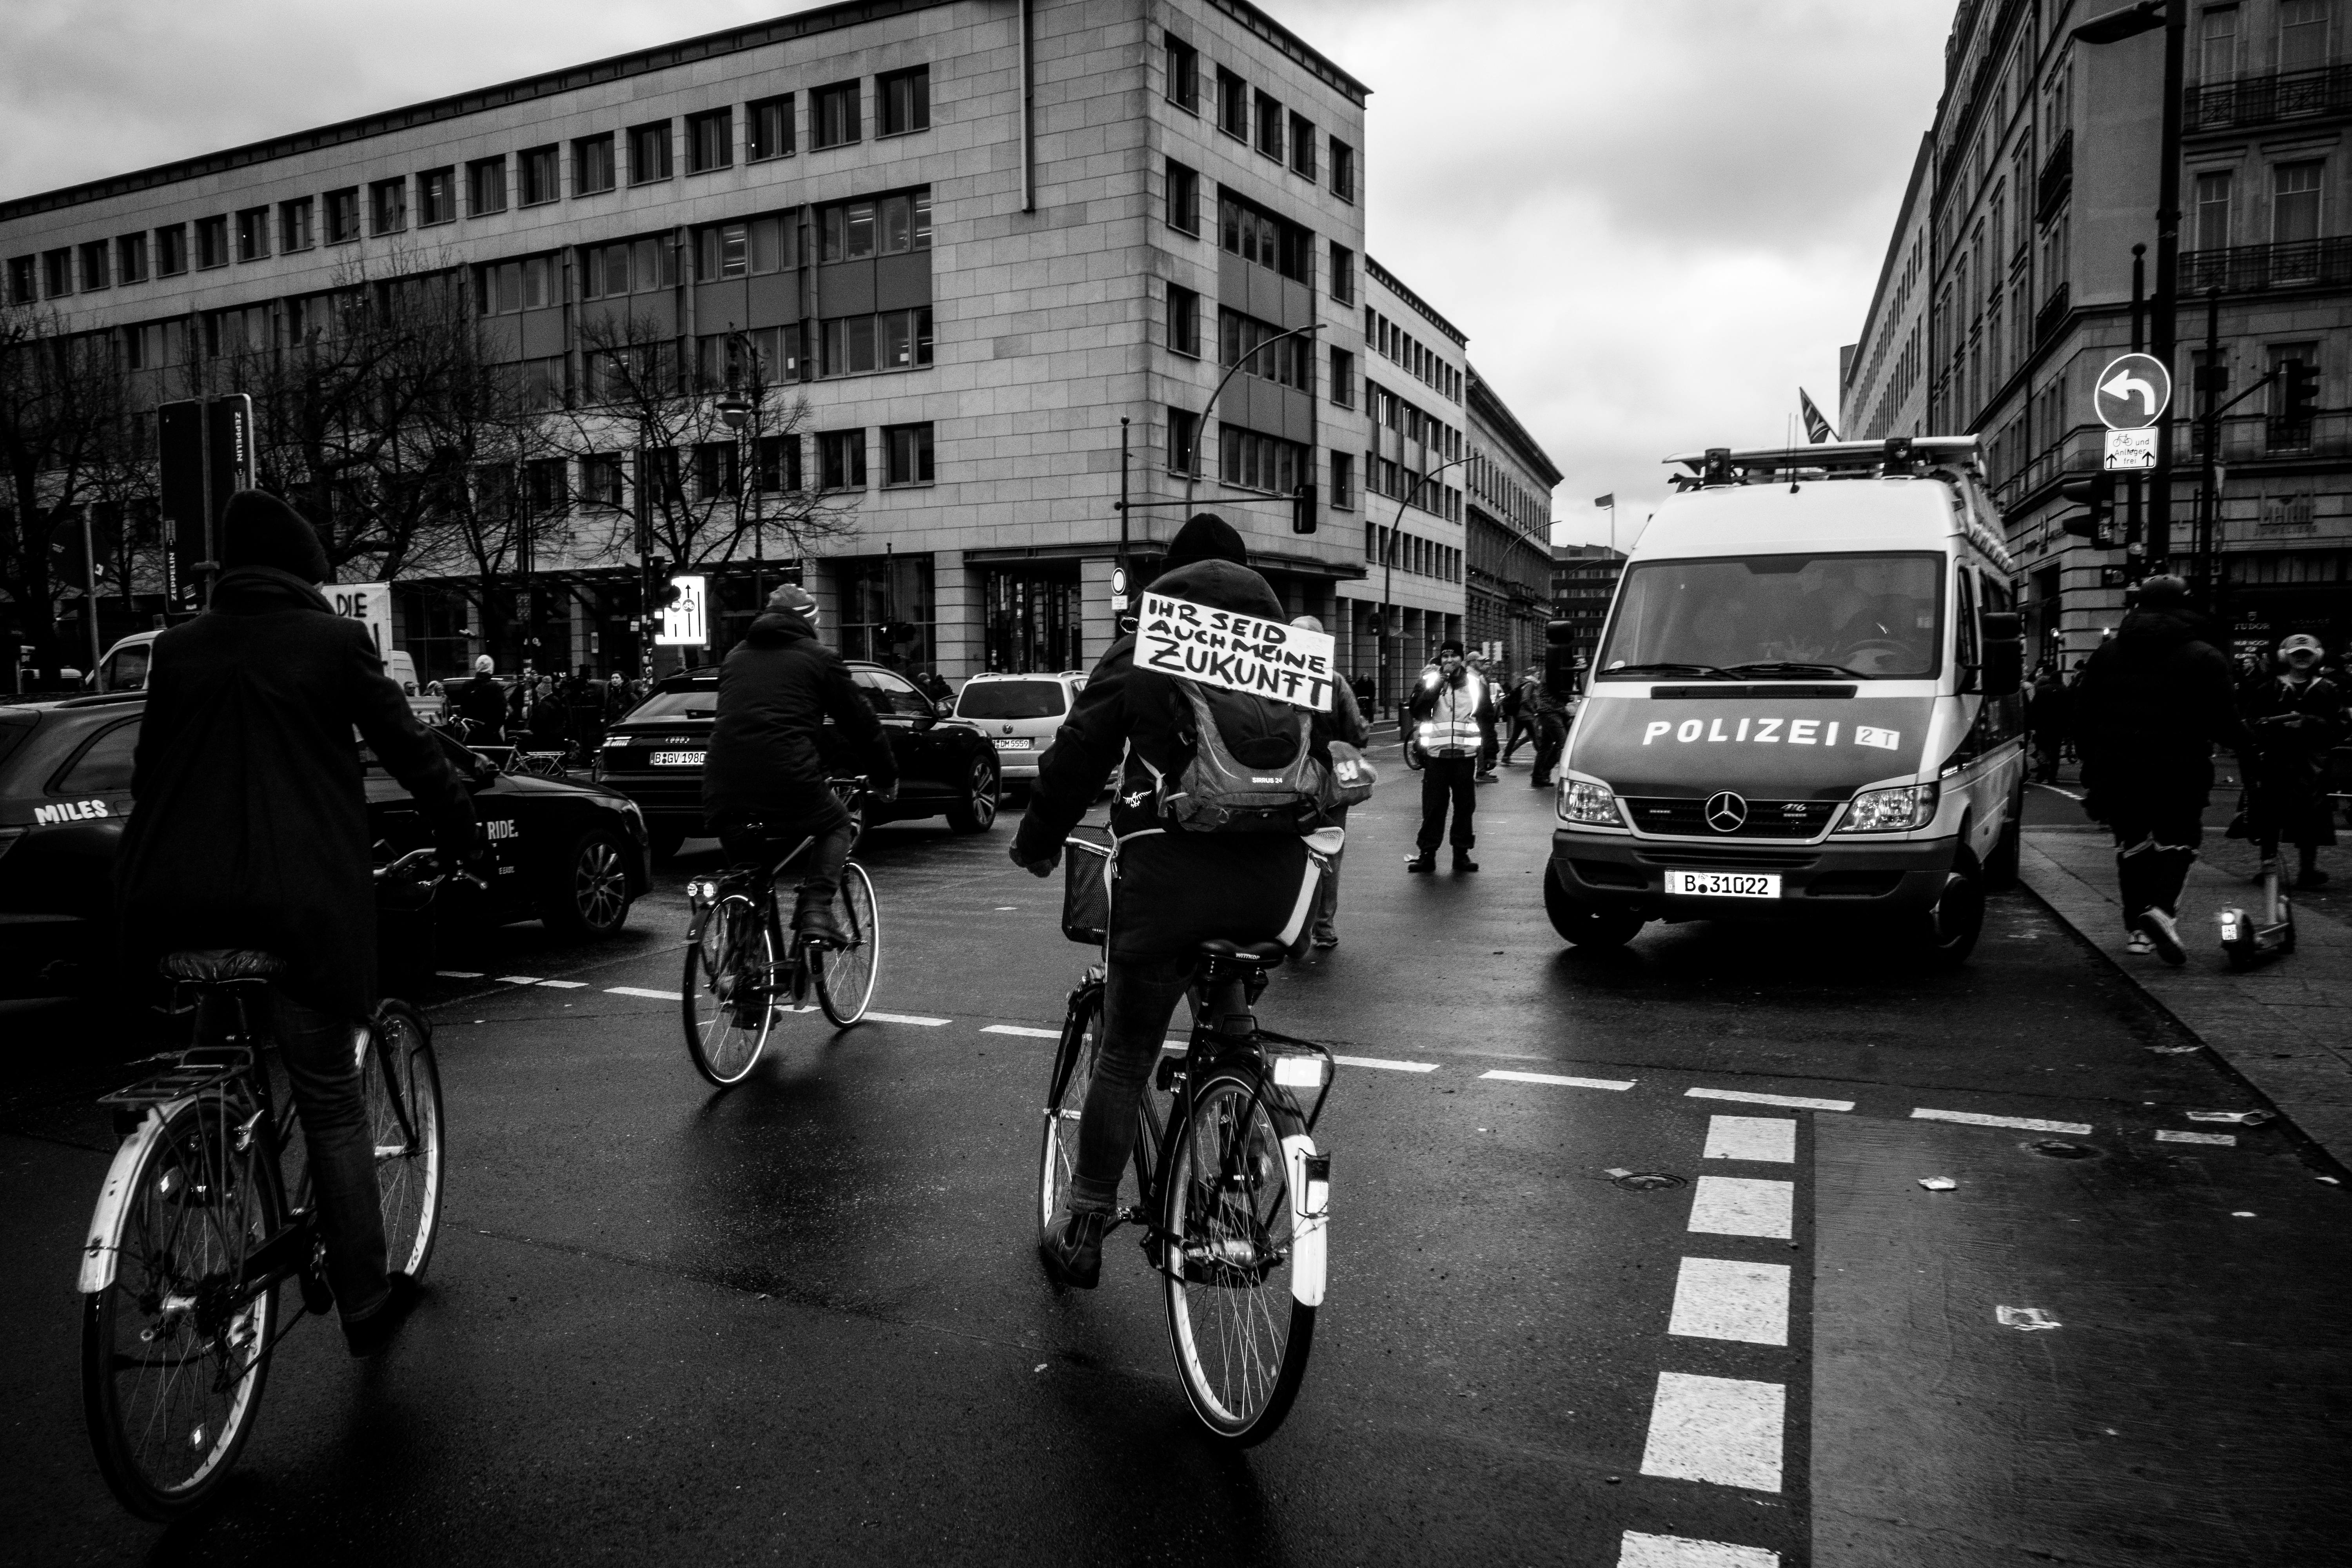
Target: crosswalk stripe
1743	1205
1717	1298
1772	1139
458	973
1726	1430
518	979
1640	1551
2024	1124
907	1018
641	991
565	984
2167	1135
1793	1101
1025	1034
1563	1082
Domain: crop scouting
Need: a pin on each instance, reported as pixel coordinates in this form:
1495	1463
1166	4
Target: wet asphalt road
801	1321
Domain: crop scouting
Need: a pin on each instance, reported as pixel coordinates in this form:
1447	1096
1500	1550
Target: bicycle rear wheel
1240	1333
402	1084
845	975
725	996
1065	1097
174	1351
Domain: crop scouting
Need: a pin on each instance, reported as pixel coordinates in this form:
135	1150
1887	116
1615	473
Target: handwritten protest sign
1237	652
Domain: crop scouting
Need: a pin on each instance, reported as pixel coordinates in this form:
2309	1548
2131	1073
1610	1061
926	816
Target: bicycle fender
1309	1238
105	1243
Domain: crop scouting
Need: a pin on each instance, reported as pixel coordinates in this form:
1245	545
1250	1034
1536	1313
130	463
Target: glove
1037	867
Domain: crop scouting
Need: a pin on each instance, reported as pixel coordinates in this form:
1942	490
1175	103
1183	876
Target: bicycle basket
1085	892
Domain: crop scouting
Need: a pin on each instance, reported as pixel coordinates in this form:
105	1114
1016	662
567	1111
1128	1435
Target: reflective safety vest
1453	723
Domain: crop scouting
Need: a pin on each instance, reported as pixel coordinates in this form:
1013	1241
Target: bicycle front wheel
1240	1333
1065	1098
403	1086
725	994
845	975
175	1350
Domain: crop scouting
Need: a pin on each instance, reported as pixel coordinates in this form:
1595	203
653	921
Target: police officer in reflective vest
1453	713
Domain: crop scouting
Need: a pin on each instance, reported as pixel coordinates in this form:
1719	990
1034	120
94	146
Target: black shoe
1420	862
1461	862
1073	1253
1489	777
372	1332
2309	878
812	918
1539	784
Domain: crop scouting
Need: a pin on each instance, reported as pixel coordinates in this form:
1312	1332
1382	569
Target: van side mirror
2004	664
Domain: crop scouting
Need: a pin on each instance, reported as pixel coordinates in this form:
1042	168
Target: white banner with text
1237	652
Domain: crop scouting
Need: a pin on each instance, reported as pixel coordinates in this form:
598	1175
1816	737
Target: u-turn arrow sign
2132	392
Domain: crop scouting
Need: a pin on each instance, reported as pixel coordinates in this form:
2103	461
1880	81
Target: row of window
1401	481
534	176
1248	341
1417	357
1493	483
715	470
1393	413
1258	118
1421	557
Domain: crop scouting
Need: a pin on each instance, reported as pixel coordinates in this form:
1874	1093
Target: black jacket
483	701
2152	703
249	824
776	689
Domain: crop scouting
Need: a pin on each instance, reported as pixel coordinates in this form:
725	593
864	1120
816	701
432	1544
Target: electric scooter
2248	940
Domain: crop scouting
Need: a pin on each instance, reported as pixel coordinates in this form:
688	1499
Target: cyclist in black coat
483	701
764	781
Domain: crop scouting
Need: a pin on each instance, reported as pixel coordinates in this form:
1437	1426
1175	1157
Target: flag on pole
1607	500
1817	428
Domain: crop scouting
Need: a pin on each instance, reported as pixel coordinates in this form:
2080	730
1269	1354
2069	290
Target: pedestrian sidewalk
2285	1028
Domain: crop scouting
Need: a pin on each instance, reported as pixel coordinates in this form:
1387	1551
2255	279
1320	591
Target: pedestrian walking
2150	708
1516	715
1347	724
1550	719
1452	712
2046	720
2296	717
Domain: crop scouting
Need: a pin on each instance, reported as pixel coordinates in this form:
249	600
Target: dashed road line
1384	1064
1717	1298
518	979
1746	1096
458	973
2167	1135
1616	1083
641	991
1743	1205
1640	1550
565	984
1026	1034
1765	1138
2024	1124
1726	1430
907	1018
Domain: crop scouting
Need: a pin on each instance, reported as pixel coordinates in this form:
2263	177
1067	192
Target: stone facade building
1882	377
1583	581
1508	530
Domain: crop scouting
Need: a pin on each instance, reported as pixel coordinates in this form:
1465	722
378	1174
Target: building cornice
1485	404
1298	48
1389	281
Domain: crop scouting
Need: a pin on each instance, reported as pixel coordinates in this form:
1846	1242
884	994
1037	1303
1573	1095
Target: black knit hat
259	530
1207	537
2158	593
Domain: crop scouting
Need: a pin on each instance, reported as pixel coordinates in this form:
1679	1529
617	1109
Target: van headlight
1897	810
1590	804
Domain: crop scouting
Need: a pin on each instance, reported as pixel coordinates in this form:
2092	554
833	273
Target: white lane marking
641	991
907	1018
1793	1101
518	979
2167	1135
565	984
2024	1124
1640	1551
1743	1205
458	973
2054	789
1726	1430
1563	1082
1384	1063
1026	1034
1760	1138
1716	1298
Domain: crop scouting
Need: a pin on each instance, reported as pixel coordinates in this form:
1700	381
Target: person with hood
2151	704
2296	717
481	701
1176	889
249	829
1451	710
763	782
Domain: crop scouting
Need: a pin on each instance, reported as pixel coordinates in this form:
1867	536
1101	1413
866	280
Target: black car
570	854
654	755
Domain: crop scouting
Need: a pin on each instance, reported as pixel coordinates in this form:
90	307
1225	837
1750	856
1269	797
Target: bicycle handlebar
424	867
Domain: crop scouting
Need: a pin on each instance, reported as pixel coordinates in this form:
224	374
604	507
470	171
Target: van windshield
1876	616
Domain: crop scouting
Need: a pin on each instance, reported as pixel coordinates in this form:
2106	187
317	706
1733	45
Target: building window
343	215
2213	210
835	120
1259	462
1269	125
172	250
1343	274
295	228
1233	105
537	172
23	286
650	152
717	470
131	258
507	287
602	480
1343	379
592	165
903	99
776	464
627	267
1183	198
1260	346
1343	481
2217	51
96	271
437	197
1302	146
2303	34
2294	203
1343	170
710	140
212	242
907	455
486	186
1183	320
2288	435
885	225
722	250
841	460
1182	84
253	233
1256	235
771	127
1183	439
894	340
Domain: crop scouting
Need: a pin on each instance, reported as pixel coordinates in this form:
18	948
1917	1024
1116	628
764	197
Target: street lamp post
1192	469
1388	635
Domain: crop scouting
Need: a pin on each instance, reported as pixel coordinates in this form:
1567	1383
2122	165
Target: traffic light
1302	510
2301	399
2096	493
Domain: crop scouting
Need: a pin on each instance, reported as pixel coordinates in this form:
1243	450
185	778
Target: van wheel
2001	868
1579	924
1947	930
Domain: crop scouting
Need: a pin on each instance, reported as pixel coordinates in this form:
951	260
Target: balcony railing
2260	100
2053	313
2251	268
2057	178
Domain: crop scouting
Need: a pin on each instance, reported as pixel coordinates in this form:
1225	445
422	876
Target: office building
1507	528
1583	581
1881	377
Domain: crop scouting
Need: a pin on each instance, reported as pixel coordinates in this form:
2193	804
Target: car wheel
1946	931
666	838
587	891
974	811
1584	925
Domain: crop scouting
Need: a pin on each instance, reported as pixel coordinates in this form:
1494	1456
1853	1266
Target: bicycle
735	984
1235	1196
196	1228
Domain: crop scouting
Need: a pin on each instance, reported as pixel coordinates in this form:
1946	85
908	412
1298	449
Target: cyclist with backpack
1184	875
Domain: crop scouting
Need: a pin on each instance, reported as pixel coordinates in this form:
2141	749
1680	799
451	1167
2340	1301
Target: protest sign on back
1236	651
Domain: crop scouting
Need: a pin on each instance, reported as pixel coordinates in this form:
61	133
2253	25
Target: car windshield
1011	700
694	702
891	696
1869	615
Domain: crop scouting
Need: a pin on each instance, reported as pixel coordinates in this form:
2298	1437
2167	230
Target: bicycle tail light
1299	1071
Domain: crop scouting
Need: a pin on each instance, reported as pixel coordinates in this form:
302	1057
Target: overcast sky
1654	220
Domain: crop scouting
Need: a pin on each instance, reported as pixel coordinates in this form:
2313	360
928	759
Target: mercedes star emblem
1726	812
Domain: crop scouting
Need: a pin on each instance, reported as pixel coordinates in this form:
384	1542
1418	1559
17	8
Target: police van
1805	705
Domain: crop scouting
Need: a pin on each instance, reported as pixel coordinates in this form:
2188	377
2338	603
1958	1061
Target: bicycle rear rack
189	1073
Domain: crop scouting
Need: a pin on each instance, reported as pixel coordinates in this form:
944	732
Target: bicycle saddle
1217	950
220	965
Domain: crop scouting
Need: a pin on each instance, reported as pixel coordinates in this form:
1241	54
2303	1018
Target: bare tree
62	430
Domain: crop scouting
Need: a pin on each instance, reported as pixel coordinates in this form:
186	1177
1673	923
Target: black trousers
1552	738
1444	779
1522	728
2155	843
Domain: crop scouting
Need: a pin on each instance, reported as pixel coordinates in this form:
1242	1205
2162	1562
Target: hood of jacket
259	590
2157	631
774	629
1222	586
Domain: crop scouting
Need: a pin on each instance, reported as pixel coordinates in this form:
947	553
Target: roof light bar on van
1897	453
